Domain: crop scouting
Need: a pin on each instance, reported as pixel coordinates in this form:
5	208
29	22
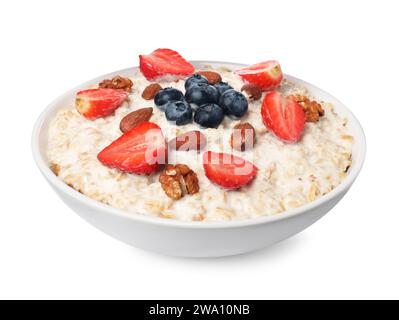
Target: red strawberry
98	103
164	62
228	171
266	75
283	116
141	150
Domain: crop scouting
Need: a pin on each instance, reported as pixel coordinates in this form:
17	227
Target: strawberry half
164	62
267	75
141	150
283	116
228	171
98	103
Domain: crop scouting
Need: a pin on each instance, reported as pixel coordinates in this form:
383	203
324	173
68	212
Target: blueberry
209	115
233	103
202	93
166	95
179	112
194	79
222	87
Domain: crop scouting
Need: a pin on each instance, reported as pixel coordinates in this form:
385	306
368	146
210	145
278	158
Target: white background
349	48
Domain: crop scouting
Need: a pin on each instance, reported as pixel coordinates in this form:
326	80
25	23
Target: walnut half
117	82
177	180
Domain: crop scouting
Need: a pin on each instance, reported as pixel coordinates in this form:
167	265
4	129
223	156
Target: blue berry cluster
211	102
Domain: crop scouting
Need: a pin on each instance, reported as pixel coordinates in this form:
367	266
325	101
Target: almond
150	91
212	76
192	140
253	91
134	118
243	137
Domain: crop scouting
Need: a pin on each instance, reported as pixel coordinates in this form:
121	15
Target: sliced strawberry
164	62
283	116
267	75
98	103
228	171
141	150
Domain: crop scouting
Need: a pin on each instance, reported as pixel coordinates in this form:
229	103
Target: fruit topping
195	79
150	91
164	62
179	112
98	103
227	170
178	180
167	95
222	87
313	109
140	151
191	140
212	76
243	137
134	118
202	93
209	115
117	82
233	103
252	91
283	116
267	75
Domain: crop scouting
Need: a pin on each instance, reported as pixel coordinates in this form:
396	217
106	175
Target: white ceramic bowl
195	239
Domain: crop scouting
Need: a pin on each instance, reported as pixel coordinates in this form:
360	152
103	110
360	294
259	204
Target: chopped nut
150	91
176	179
313	109
55	168
117	82
253	91
199	217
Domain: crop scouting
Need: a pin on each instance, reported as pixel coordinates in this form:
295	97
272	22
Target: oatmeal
288	174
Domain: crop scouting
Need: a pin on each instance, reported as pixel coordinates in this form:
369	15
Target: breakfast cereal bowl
181	237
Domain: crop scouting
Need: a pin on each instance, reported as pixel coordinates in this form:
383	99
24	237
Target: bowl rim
61	186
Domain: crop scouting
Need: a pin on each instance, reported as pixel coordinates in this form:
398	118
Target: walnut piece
191	181
176	180
182	169
117	82
313	109
55	168
170	182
